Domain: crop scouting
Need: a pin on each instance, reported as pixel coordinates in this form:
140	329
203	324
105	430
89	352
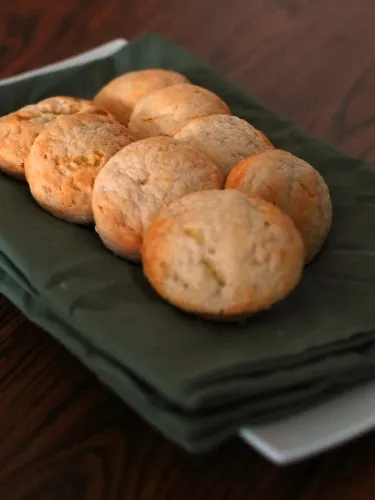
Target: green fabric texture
196	381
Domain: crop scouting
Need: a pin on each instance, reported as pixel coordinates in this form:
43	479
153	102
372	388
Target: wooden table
62	435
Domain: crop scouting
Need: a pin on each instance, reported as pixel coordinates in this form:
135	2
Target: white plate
91	55
315	430
307	433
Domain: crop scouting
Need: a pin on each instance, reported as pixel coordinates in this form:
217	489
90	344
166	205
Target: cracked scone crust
64	105
65	160
19	130
294	186
226	139
138	181
120	95
221	254
167	110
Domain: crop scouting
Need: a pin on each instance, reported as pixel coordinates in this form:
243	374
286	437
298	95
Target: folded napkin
196	381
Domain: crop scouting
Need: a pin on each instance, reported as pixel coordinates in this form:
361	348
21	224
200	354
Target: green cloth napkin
196	381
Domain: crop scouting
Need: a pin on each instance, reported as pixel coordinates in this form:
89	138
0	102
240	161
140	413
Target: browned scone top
138	181
64	105
121	94
167	110
226	139
221	254
294	186
65	160
19	130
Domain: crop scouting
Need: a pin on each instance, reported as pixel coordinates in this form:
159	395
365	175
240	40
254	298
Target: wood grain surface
62	435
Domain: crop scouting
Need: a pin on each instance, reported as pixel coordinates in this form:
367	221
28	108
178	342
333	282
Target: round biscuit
165	111
294	186
65	160
222	255
138	181
121	94
226	139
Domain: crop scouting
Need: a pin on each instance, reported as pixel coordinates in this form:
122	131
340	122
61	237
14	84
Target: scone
138	181
294	186
65	160
222	255
167	110
121	94
226	139
19	130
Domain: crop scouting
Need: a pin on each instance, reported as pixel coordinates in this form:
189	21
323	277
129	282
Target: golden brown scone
221	254
65	160
120	95
294	186
138	181
167	110
19	130
226	139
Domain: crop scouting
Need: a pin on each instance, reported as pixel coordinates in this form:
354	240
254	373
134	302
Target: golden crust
138	181
294	186
19	130
64	105
17	134
264	139
65	160
222	255
226	139
121	94
167	110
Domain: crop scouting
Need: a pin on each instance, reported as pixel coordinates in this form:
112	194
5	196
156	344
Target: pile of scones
222	221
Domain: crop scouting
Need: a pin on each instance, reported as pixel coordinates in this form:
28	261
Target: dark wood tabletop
62	435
